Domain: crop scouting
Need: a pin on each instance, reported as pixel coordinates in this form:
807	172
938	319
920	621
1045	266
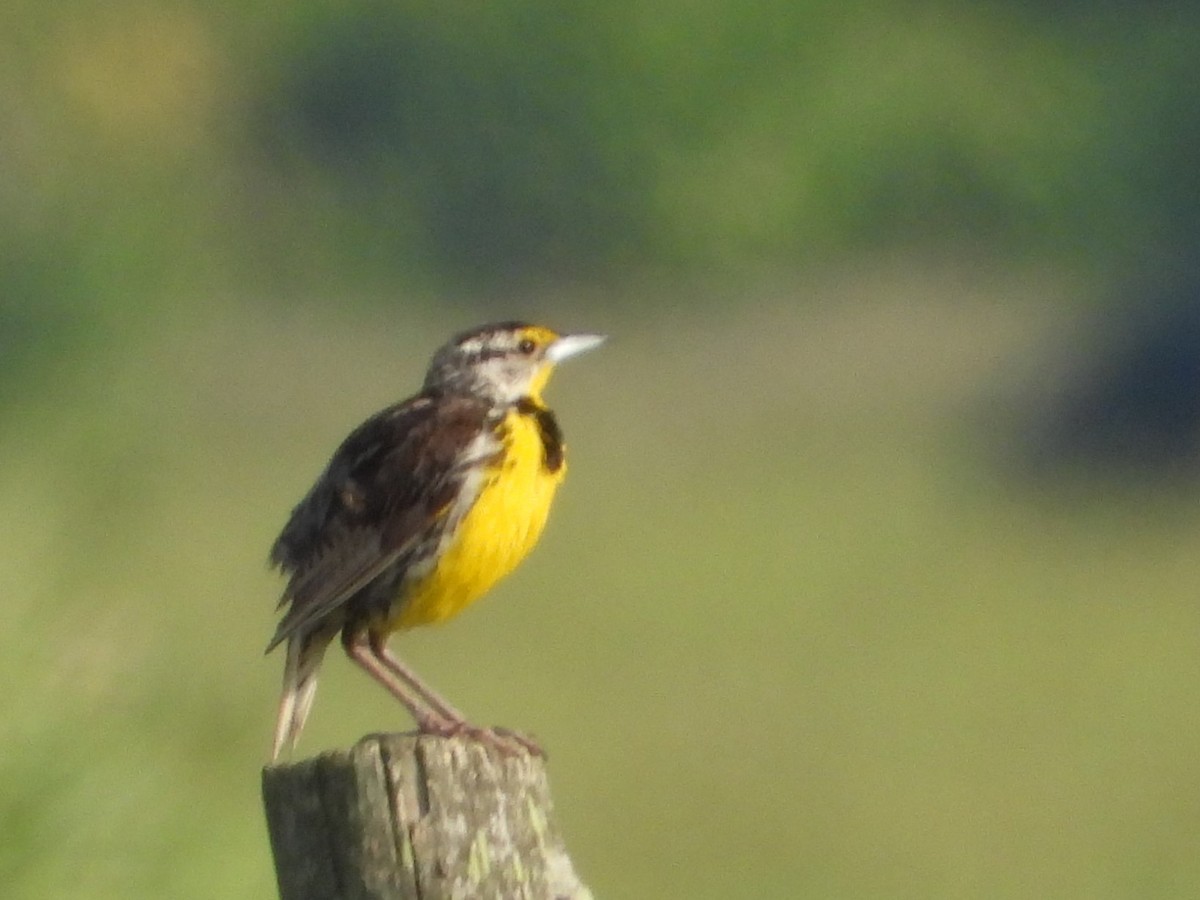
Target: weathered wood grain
416	817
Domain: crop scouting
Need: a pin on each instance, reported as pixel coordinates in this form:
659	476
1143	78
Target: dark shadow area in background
1129	410
502	148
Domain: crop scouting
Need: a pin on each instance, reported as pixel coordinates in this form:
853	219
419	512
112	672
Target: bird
418	513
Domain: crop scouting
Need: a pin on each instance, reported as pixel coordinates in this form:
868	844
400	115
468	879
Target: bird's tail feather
304	655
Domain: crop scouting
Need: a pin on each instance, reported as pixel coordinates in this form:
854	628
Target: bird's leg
361	648
453	722
431	697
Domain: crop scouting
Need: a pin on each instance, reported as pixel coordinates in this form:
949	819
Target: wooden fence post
416	817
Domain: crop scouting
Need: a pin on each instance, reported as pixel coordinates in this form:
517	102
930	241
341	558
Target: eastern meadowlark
423	508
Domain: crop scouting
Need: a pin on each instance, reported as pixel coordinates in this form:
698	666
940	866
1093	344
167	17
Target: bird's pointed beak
572	345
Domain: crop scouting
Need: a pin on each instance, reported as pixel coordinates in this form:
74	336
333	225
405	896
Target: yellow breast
495	535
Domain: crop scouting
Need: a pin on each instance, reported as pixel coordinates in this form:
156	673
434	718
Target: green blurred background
876	572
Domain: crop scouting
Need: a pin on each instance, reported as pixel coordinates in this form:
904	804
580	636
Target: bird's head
503	362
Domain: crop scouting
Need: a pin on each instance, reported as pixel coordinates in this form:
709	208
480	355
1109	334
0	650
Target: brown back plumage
380	499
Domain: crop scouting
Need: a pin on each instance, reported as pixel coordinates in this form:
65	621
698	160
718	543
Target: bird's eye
527	346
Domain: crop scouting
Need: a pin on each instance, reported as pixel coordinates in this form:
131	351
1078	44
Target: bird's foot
523	741
504	740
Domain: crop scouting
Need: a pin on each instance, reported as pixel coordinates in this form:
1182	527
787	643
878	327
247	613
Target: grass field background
791	632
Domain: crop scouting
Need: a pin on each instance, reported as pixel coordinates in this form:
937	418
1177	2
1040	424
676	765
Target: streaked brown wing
387	486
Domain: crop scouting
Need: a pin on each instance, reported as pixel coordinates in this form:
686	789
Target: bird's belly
494	536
